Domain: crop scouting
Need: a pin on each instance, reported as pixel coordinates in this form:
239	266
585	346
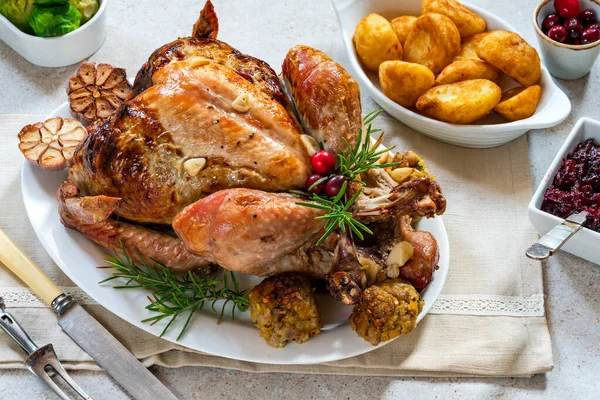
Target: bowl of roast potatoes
450	70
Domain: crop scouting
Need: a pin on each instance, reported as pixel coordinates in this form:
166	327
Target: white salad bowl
57	51
492	131
586	242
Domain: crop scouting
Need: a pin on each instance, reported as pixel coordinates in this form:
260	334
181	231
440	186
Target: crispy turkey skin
189	113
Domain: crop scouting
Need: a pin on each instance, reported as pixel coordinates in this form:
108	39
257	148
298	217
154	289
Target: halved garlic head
311	144
400	254
96	91
401	174
51	144
242	103
193	166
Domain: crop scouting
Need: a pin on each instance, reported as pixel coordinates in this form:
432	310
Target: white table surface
266	29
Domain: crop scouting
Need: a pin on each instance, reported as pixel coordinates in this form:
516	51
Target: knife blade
110	354
88	333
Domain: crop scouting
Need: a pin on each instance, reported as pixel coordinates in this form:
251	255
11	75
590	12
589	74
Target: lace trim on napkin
490	305
446	304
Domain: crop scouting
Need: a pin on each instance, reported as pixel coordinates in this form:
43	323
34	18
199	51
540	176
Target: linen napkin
489	321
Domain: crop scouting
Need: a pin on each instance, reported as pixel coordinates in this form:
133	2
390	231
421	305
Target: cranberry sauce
576	186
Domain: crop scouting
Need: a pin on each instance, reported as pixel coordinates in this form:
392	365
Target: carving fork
42	361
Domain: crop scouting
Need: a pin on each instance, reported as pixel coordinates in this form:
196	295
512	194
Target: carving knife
88	333
551	242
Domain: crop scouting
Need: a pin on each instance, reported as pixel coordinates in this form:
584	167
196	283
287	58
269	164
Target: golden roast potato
519	103
467	22
468	49
375	42
404	82
465	70
508	52
462	102
433	42
402	26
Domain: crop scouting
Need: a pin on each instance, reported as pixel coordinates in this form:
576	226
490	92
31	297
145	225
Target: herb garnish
175	294
351	162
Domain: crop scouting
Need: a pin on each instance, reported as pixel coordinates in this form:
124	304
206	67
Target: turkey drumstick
91	217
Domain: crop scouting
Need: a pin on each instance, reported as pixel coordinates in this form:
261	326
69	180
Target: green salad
47	18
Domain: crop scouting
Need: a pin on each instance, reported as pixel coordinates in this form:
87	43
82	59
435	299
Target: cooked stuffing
386	310
283	309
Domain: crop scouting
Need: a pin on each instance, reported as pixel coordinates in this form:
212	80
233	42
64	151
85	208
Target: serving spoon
550	243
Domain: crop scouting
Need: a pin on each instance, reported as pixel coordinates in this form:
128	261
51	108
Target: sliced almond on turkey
193	166
51	144
242	103
311	144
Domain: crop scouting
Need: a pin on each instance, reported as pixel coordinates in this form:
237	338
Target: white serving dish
78	257
57	51
492	131
586	242
565	61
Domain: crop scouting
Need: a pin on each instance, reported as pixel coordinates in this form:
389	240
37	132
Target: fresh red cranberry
588	17
595	26
334	185
567	8
311	180
323	162
590	35
550	21
558	33
574	28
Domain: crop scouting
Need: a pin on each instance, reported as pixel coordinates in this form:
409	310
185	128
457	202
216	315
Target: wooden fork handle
26	270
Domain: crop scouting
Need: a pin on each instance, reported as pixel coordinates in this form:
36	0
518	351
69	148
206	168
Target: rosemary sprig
364	155
173	295
352	162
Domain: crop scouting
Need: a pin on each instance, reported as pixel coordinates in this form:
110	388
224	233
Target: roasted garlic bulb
97	91
51	144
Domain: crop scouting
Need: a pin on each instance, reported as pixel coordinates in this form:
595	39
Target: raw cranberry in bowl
568	33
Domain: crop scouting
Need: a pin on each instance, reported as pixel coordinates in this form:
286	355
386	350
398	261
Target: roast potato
433	42
402	26
465	70
467	22
468	49
462	102
375	42
404	82
519	103
511	54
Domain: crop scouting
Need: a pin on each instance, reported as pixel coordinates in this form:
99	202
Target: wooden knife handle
24	268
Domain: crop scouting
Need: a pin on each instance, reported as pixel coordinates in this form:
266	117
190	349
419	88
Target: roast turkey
210	143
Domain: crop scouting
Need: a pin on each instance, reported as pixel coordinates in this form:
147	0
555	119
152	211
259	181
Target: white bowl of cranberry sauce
572	184
569	35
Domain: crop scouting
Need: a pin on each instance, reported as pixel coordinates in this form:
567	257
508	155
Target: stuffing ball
283	309
386	310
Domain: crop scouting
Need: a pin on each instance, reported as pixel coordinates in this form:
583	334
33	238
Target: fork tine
58	368
43	375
